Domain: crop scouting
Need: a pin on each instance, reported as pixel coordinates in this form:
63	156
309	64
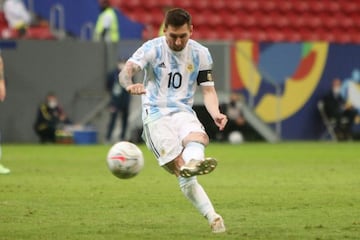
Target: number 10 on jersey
175	80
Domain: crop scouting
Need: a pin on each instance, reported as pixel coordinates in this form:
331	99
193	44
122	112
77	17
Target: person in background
50	116
17	16
107	24
234	113
237	121
174	65
339	112
119	103
3	170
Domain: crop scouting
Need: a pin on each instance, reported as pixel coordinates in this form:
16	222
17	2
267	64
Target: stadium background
282	55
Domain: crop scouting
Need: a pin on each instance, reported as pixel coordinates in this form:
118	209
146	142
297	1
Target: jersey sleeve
205	69
206	61
143	55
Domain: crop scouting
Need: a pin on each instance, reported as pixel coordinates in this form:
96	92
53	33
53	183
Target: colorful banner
286	80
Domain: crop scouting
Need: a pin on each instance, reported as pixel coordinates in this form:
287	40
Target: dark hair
177	17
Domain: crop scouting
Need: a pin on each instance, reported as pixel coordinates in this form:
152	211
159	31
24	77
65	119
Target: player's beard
178	48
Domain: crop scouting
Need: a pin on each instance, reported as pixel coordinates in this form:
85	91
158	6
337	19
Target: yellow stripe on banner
247	71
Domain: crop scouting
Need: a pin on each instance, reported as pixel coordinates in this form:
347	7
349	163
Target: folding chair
328	124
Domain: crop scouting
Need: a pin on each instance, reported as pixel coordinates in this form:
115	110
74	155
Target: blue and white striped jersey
170	77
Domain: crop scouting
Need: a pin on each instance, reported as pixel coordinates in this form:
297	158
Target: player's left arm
2	81
205	80
212	106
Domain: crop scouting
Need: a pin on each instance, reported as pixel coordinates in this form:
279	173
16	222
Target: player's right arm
126	75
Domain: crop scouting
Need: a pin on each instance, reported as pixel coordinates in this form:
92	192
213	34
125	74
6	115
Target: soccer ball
235	137
125	160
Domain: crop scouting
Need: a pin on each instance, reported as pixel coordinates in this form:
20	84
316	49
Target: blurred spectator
350	89
119	103
237	121
340	113
107	24
50	117
17	16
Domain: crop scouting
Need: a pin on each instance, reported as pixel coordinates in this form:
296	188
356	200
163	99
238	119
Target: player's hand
136	89
220	121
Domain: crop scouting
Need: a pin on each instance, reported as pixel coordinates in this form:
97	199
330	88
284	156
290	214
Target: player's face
177	37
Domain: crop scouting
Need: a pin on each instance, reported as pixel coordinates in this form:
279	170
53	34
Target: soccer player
3	170
173	65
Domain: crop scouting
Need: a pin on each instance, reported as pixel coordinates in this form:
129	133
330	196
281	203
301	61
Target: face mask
337	90
52	104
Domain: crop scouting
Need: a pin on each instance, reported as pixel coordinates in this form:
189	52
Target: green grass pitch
296	190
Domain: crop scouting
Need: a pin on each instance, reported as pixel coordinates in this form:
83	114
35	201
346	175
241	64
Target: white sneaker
4	170
198	167
217	225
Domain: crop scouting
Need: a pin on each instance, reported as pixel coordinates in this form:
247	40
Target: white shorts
164	136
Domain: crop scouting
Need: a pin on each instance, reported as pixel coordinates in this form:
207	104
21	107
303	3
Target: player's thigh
163	140
190	128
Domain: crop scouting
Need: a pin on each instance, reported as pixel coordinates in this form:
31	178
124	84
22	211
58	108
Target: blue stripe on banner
148	139
8	44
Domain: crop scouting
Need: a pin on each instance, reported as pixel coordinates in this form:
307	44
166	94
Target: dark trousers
124	122
344	124
47	135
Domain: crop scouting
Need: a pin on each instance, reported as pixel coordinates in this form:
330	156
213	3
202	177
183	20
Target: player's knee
196	137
